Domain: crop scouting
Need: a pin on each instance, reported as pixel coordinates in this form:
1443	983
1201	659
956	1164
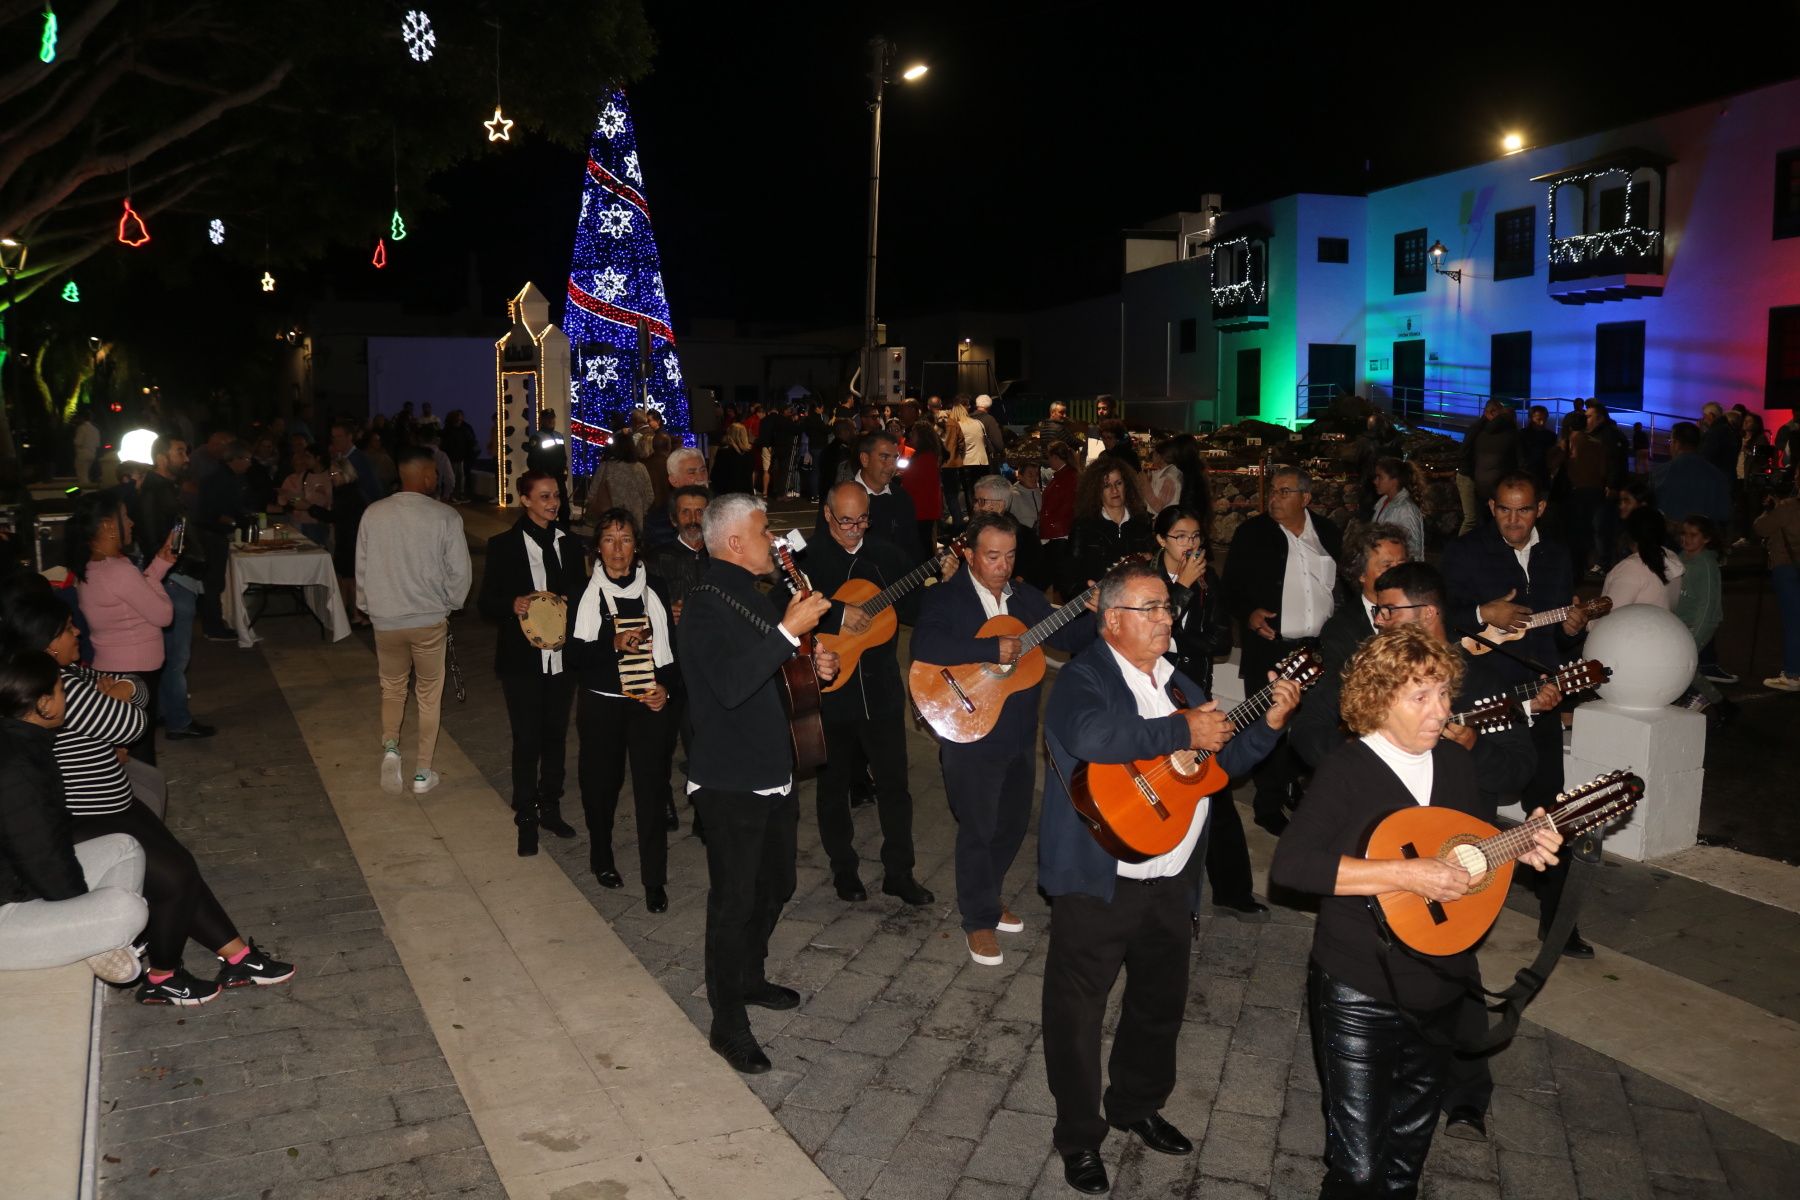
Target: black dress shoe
908	890
671	818
1244	910
656	899
849	887
195	729
1159	1135
772	996
1084	1172
609	878
742	1052
1466	1122
551	821
528	832
1577	948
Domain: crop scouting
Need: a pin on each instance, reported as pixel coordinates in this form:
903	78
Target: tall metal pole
870	366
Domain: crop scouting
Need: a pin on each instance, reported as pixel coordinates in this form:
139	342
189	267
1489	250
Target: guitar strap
761	623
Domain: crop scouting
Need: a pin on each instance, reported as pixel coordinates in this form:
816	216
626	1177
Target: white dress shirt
1151	692
1306	588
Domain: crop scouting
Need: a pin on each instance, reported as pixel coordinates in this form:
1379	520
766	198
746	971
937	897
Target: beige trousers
420	654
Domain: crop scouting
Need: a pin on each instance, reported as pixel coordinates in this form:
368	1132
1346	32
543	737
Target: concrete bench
46	1037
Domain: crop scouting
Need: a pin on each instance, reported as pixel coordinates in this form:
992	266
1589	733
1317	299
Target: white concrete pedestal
1664	746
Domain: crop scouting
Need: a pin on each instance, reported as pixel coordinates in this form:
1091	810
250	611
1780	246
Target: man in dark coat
892	517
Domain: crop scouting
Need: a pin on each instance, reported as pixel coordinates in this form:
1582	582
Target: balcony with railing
1240	280
1606	227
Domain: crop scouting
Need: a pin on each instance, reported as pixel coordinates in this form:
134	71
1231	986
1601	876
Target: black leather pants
1380	1083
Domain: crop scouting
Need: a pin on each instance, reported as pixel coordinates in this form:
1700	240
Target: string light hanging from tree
499	129
617	302
396	226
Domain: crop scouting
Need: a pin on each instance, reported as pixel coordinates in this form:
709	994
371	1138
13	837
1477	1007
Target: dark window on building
1409	262
1009	358
744	395
1515	243
1190	335
1784	358
1334	250
1249	382
1619	364
1787	194
1509	366
1612	210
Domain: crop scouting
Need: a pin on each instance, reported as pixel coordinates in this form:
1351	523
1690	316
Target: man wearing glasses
892	517
1280	582
1120	700
1368	552
865	730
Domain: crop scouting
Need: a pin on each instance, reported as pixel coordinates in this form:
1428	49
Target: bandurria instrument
879	607
1138	810
1595	609
963	703
1431	927
545	622
1498	712
800	682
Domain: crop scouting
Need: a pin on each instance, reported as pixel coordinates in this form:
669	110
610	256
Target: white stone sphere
1651	653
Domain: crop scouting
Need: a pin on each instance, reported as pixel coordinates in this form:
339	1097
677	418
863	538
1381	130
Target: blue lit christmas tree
616	299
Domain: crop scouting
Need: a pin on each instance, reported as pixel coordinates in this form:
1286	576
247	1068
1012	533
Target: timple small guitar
1138	810
800	682
1595	609
1498	712
878	605
963	703
1417	831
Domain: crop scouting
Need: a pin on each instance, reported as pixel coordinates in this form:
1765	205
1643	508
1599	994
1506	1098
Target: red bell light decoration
132	230
380	259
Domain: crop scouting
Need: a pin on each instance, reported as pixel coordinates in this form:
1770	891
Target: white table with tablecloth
304	565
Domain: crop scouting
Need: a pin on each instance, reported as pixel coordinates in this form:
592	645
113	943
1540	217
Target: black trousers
1147	930
989	790
1227	853
1380	1083
1468	1082
1274	778
144	749
182	906
613	730
537	707
879	744
750	876
1541	792
217	544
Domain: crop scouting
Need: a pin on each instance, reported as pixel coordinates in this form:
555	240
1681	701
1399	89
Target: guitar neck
1507	846
1055	621
1554	616
1244	715
890	595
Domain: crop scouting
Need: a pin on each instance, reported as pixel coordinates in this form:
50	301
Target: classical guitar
1138	810
878	605
1595	609
800	682
1495	713
962	703
1437	928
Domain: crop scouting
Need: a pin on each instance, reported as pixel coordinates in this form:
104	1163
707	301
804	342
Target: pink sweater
126	612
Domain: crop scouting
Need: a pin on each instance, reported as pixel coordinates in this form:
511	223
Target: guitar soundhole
1463	851
998	671
1185	764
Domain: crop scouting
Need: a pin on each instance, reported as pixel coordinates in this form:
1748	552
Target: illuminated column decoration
531	373
616	297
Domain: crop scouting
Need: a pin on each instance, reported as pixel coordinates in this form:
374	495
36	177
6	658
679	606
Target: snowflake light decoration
612	121
603	370
215	232
610	284
672	369
615	221
657	285
632	171
417	33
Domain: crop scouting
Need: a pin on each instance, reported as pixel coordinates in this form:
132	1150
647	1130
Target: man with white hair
990	427
733	643
686	468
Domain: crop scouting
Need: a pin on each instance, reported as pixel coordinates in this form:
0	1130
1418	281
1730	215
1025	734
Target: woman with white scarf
533	556
623	654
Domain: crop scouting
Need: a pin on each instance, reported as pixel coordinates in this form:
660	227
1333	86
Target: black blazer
1255	570
37	850
741	739
506	577
876	688
596	663
1480	566
892	518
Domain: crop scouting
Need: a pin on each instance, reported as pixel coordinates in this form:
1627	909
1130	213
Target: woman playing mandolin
1370	1003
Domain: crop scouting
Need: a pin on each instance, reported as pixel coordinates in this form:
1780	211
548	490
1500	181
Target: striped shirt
94	724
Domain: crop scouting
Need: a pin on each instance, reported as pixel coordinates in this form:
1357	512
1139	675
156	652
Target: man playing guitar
865	719
1118	701
741	767
989	781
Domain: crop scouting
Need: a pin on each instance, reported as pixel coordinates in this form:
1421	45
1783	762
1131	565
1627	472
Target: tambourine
546	621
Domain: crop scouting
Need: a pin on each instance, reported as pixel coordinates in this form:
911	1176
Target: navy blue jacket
1480	566
1092	717
945	635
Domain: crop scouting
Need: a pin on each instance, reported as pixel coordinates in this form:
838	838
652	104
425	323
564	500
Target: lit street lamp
1438	250
883	52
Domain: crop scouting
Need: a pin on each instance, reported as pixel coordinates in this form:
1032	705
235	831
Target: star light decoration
268	282
500	128
616	295
215	232
420	38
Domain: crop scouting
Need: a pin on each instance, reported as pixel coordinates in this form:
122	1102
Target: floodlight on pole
1512	143
882	51
914	72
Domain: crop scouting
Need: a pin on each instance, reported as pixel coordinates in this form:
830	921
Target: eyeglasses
1385	612
1162	608
1284	491
986	504
851	522
1182	537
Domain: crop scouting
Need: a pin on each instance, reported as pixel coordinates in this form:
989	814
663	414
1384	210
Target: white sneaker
1783	682
424	781
118	966
1009	923
390	771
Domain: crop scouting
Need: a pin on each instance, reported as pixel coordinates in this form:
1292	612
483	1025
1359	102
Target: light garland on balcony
1628	240
1246	290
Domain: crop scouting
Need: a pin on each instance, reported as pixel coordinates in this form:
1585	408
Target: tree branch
158	75
42	276
69	41
50	132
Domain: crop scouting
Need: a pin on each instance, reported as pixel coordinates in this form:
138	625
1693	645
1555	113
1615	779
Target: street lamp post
881	52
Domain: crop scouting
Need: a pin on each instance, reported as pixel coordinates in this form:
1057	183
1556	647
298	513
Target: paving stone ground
910	1072
330	1086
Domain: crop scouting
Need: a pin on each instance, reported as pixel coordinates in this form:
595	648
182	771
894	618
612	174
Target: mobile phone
178	537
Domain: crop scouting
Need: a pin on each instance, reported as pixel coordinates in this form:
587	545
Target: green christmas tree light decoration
71	293
47	43
397	227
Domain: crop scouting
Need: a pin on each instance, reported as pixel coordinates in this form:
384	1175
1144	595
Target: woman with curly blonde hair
1381	1076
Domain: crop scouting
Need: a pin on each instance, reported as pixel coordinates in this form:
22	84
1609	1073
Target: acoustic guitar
1498	712
800	681
1431	927
1595	609
963	703
1138	810
878	605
